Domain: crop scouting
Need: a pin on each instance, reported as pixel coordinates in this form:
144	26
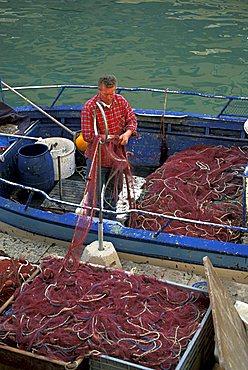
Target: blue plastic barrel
35	166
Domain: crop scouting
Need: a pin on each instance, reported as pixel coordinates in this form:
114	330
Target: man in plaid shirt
120	117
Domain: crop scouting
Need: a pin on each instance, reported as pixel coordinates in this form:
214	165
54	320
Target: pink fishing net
120	169
13	272
94	311
201	183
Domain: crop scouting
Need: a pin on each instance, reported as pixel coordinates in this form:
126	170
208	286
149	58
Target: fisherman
120	121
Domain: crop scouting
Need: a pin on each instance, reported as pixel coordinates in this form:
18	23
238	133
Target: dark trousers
109	203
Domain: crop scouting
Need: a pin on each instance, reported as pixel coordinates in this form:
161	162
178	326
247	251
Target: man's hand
125	137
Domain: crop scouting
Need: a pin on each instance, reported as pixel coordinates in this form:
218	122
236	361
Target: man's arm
87	124
131	124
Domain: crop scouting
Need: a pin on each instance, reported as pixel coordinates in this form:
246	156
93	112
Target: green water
186	45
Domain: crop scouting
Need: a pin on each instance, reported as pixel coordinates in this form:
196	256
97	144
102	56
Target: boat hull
58	228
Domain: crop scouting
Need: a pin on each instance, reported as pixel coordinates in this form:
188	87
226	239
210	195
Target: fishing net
13	272
74	310
202	183
97	310
120	169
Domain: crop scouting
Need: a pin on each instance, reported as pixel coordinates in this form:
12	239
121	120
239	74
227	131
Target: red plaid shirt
120	118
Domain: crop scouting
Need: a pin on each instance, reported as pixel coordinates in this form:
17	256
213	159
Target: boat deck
69	190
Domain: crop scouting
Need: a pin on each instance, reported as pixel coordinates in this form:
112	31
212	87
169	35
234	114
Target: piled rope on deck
202	183
96	310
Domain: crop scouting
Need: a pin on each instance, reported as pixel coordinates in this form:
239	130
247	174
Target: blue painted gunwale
126	240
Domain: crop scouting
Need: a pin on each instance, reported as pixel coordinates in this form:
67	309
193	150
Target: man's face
107	94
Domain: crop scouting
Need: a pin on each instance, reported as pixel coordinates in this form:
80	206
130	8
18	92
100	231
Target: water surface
187	45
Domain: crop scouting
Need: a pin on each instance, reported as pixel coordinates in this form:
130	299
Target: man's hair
108	81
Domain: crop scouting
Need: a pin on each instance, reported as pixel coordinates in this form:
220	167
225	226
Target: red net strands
13	272
202	183
95	311
120	169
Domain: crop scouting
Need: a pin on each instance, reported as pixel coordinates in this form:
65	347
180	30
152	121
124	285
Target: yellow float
80	143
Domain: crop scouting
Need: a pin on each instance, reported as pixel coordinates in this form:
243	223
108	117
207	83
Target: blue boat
221	121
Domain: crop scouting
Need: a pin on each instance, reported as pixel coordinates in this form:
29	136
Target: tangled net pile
13	272
201	183
93	311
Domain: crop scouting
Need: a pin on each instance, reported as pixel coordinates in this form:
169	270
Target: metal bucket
63	154
35	166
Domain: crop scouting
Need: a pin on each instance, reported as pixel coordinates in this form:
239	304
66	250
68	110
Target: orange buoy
81	144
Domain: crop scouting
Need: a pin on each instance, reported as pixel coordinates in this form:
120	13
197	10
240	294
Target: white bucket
64	149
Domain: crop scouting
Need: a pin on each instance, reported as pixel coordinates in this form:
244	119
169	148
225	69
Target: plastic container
199	354
63	153
35	166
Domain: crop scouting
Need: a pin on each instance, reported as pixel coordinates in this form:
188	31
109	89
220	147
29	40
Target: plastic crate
199	354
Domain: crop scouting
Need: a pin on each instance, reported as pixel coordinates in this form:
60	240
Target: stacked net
13	272
202	183
93	311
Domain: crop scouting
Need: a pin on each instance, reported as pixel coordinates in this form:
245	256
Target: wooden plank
14	358
231	337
